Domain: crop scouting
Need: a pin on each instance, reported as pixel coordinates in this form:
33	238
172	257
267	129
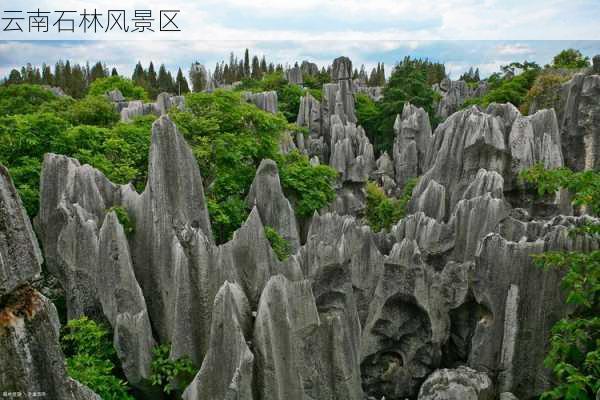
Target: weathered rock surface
294	75
20	256
275	210
286	316
411	143
227	369
578	115
457	384
32	360
123	303
266	101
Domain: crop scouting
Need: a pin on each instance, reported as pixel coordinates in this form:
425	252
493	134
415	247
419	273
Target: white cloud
514	49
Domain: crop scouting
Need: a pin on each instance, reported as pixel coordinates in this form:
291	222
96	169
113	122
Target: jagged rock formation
266	101
461	383
294	76
227	369
20	256
134	108
578	115
275	210
352	313
31	357
454	94
412	140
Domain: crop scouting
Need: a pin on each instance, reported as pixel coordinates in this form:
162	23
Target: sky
460	33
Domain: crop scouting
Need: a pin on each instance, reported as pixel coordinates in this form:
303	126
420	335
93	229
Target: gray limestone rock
123	303
516	296
294	75
463	144
412	140
462	383
266	101
351	152
227	369
274	208
341	69
173	199
20	256
286	315
32	359
331	365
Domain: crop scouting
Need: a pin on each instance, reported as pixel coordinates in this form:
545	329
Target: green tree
181	84
382	211
280	246
91	358
169	374
570	59
127	87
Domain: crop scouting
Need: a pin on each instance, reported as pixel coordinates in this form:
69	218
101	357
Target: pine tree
98	71
263	65
181	84
164	81
14	77
114	72
246	66
256	74
152	81
47	75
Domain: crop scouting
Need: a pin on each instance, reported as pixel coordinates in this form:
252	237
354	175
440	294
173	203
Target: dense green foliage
84	129
229	138
91	358
170	374
382	211
574	354
545	91
584	185
280	246
411	82
510	87
309	187
288	95
129	89
73	79
570	59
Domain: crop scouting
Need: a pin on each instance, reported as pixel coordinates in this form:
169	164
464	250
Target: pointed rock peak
20	256
267	167
397	124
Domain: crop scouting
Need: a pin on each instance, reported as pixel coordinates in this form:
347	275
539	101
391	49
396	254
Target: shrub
310	187
23	98
570	59
91	358
127	87
167	373
280	246
545	92
93	110
382	211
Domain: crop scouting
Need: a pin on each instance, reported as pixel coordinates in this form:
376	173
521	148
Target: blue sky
460	33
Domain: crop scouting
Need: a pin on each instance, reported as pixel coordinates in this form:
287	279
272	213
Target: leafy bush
91	358
382	211
93	110
410	81
574	354
570	59
545	91
23	98
127	87
167	373
584	185
280	246
309	187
